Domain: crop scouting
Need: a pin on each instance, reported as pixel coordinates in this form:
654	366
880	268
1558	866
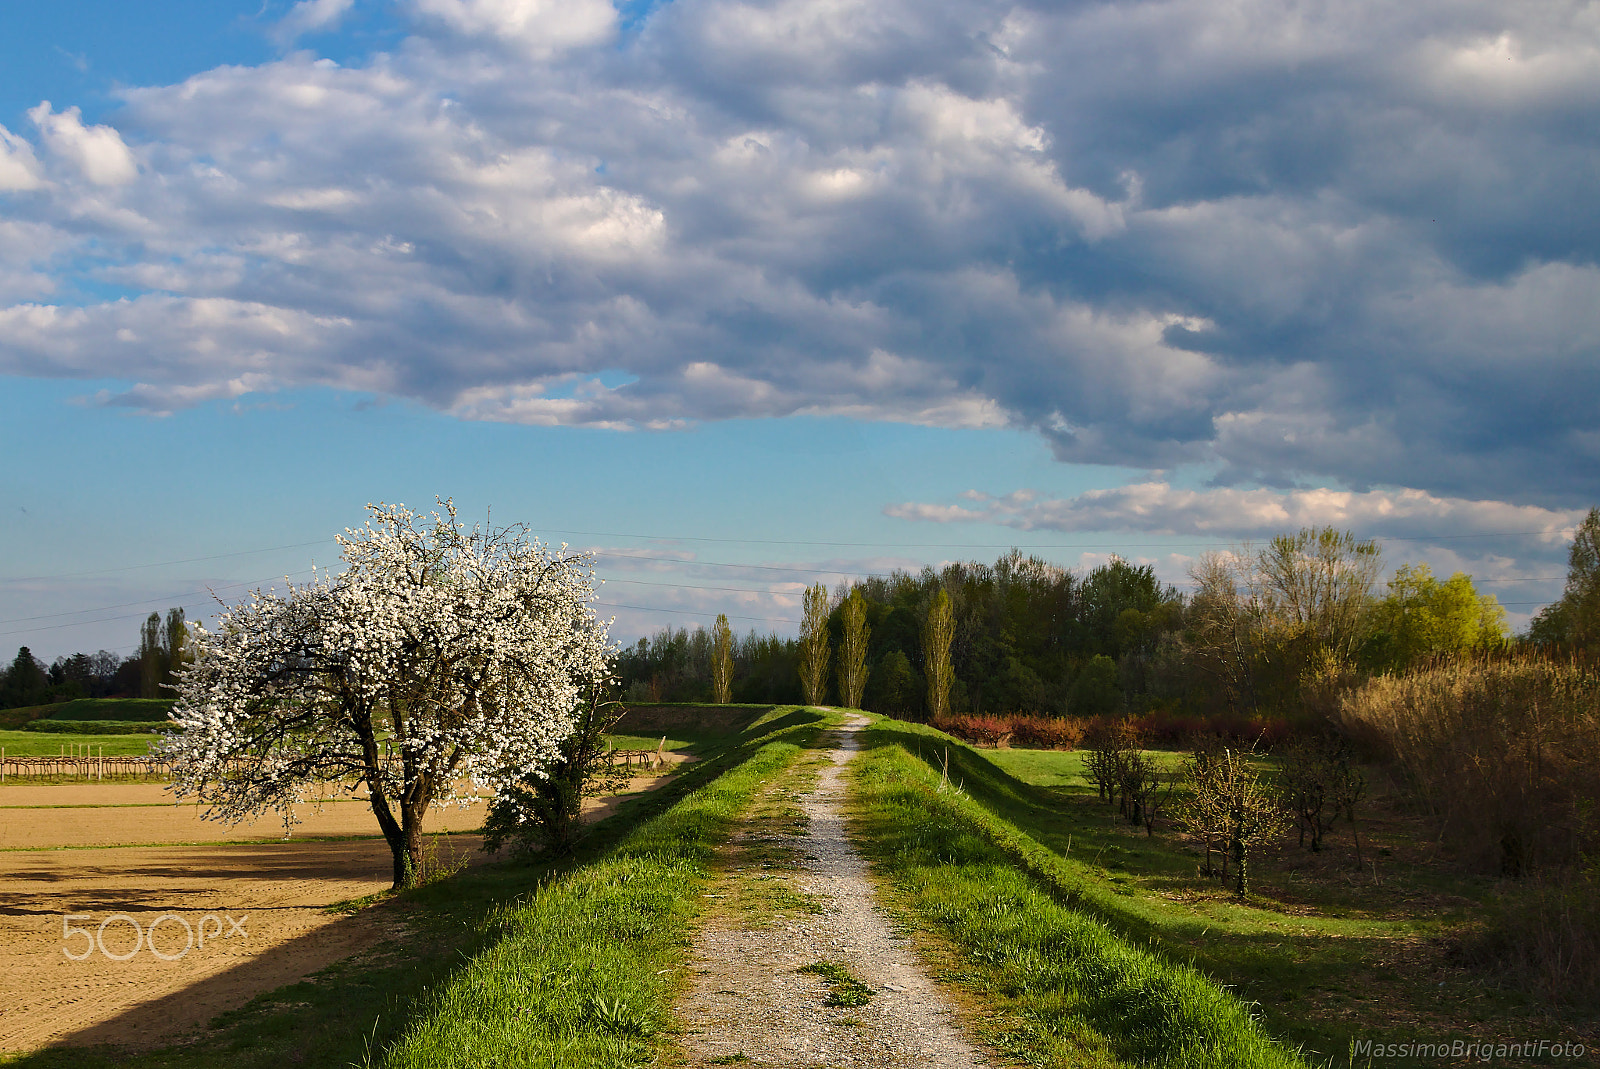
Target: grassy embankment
1324	955
516	961
64	721
1058	986
144	710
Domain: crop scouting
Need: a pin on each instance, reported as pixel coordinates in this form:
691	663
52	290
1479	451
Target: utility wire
135	615
163	564
999	545
693	612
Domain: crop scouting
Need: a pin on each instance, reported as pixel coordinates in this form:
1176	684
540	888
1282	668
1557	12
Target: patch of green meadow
52	744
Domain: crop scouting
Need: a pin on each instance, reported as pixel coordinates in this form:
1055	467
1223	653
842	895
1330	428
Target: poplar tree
853	652
814	645
152	657
938	629
722	660
177	644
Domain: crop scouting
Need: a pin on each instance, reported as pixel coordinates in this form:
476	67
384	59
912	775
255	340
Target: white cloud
19	170
311	16
96	151
1228	513
165	400
1350	243
539	28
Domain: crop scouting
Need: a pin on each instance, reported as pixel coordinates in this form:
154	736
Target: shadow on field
353	1009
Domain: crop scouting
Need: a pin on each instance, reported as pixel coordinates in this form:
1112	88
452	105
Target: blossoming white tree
441	660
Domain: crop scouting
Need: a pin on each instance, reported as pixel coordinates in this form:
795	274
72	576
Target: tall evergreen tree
25	682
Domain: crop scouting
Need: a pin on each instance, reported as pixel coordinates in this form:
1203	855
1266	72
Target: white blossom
441	662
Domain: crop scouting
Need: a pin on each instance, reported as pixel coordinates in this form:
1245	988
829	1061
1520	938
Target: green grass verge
95	727
49	744
1069	989
140	709
583	972
692	741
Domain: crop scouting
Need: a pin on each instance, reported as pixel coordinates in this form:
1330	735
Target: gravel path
750	1001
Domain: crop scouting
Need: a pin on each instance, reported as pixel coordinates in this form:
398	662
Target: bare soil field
68	815
236	918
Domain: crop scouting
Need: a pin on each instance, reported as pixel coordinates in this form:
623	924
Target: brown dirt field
278	891
143	813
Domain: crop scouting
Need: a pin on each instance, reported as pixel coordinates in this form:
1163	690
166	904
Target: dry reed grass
1501	752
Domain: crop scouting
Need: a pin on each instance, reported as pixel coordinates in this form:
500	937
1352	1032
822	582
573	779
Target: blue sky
747	294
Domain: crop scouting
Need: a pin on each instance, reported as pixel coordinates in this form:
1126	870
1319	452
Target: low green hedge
96	727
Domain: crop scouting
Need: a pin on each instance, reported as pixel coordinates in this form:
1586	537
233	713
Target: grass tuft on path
1070	990
844	988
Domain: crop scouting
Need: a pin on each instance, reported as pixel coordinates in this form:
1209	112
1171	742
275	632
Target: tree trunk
394	835
411	833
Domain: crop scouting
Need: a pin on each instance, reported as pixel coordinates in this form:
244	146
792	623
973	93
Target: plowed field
241	910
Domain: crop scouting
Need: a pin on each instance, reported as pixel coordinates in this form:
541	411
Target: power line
163	564
998	545
725	564
692	612
135	615
149	600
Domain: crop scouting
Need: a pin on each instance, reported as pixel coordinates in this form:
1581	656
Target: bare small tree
814	645
938	631
1250	811
853	651
722	660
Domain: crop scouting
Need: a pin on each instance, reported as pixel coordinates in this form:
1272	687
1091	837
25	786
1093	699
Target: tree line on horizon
150	672
1026	636
1260	630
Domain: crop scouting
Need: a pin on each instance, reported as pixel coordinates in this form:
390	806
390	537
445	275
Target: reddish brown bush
1046	732
1160	729
978	730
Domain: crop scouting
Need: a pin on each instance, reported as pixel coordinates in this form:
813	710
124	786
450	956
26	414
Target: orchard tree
441	661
